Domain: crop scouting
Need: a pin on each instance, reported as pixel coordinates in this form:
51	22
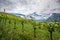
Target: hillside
9	16
16	28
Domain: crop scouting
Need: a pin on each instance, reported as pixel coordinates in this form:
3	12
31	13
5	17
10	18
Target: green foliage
25	37
11	28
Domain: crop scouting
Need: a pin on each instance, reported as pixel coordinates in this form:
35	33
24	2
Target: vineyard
17	28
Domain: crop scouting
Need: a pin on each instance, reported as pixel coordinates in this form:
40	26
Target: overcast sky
30	6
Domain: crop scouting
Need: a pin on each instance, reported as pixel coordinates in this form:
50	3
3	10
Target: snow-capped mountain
39	16
35	16
18	14
54	17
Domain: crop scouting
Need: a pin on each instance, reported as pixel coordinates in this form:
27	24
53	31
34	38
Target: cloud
30	6
58	1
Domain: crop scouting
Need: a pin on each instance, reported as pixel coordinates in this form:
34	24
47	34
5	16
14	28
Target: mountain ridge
41	17
54	17
35	16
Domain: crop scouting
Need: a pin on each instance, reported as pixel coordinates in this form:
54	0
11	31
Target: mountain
35	16
54	17
39	16
18	14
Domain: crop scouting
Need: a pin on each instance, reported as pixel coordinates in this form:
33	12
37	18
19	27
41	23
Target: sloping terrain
16	28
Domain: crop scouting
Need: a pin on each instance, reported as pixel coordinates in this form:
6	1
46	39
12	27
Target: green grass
9	32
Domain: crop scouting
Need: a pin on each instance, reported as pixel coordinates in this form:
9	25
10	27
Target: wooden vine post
34	26
15	25
51	30
22	23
